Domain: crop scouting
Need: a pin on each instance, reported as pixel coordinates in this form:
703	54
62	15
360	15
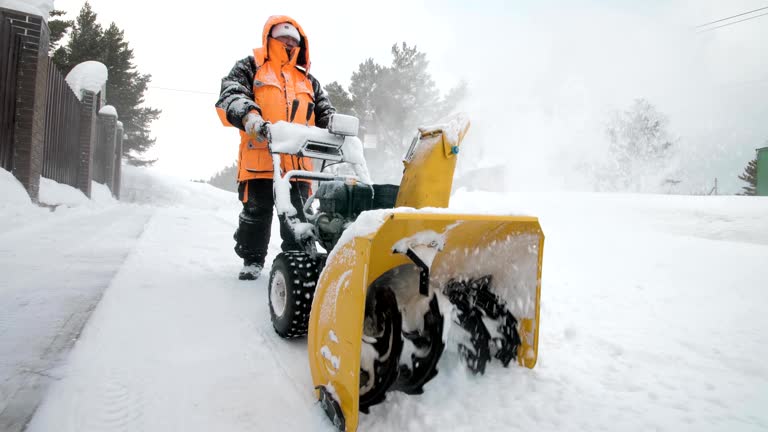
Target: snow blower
412	281
405	278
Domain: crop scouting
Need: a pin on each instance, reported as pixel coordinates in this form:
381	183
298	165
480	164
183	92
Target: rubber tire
411	381
300	273
384	308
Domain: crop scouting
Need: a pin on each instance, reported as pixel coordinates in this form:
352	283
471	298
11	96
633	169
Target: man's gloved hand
255	126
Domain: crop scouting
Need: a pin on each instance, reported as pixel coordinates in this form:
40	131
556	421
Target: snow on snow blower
405	278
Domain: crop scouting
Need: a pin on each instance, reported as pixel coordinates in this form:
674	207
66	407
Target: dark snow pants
253	233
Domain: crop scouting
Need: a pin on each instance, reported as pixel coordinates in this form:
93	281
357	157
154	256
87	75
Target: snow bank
151	187
56	194
15	198
101	194
34	7
139	185
16	208
712	217
89	75
18	211
652	318
12	191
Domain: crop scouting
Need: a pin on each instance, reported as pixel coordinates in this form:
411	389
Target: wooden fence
108	152
61	147
45	128
10	46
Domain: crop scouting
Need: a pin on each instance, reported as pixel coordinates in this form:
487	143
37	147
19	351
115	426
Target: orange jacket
279	78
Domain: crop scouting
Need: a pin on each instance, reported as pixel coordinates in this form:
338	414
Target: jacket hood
303	59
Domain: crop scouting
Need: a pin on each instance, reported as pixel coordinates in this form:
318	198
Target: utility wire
731	23
183	90
724	19
735	22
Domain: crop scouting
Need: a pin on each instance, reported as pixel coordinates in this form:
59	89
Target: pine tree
125	91
339	97
362	87
392	101
226	179
640	149
58	28
85	40
415	91
749	176
454	97
125	85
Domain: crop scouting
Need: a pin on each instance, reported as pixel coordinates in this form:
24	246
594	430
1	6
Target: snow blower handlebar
338	143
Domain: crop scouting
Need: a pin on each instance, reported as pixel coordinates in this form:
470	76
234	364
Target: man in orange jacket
259	90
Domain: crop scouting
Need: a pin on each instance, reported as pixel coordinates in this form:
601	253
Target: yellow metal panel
473	245
428	175
428	178
336	325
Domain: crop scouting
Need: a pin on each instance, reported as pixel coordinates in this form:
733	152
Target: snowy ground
652	319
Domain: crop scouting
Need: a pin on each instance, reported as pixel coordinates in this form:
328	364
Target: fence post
87	139
118	164
10	45
31	93
105	152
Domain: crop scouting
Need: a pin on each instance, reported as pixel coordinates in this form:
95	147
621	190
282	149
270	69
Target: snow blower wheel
291	288
422	364
381	348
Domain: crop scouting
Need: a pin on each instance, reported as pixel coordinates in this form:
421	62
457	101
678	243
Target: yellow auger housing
405	284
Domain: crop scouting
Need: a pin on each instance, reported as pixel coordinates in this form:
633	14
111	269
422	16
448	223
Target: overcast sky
543	75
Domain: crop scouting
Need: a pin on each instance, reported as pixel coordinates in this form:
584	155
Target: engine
341	203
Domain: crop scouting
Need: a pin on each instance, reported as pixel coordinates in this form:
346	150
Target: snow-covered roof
33	7
89	75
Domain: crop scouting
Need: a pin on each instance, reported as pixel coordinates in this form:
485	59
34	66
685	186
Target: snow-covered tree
125	85
641	150
392	101
364	85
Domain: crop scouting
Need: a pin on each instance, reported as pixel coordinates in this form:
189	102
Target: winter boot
250	271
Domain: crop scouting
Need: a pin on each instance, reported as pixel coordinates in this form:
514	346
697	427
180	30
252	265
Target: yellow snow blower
406	280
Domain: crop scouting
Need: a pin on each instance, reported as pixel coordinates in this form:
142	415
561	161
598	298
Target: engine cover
348	201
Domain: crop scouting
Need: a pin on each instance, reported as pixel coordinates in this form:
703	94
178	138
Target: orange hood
303	59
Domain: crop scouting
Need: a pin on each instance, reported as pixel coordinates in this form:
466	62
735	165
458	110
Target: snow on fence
46	129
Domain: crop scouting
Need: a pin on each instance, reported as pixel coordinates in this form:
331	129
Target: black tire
422	366
291	290
383	323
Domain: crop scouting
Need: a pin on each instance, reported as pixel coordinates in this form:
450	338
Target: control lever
294	108
310	111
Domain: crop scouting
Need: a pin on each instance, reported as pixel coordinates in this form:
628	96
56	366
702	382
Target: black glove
256	127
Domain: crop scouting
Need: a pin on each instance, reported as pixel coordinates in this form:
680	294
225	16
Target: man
259	90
